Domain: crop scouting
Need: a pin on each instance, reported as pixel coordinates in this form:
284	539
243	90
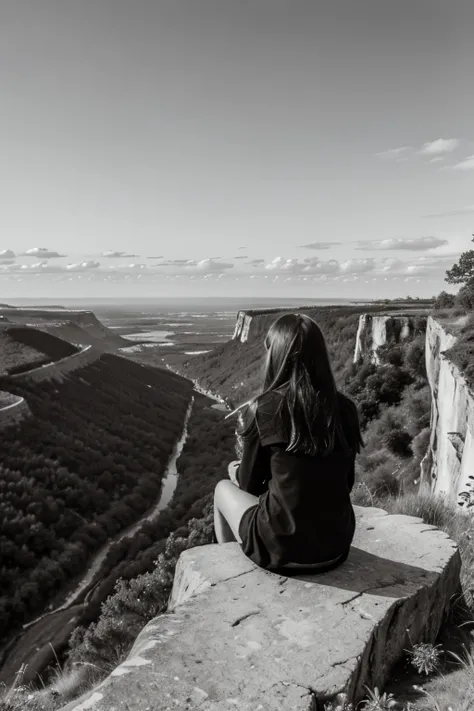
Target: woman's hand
232	471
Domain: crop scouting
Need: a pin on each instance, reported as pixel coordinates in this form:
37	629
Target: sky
234	147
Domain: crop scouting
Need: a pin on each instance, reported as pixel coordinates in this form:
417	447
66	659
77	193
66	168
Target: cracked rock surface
237	636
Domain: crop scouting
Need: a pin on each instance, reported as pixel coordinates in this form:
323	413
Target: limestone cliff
255	322
244	321
448	467
375	331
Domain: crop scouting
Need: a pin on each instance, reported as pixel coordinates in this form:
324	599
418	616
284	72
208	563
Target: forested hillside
88	463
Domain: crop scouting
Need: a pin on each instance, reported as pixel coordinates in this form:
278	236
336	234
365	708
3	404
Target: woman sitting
289	502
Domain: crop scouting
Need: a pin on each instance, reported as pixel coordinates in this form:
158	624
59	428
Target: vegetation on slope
462	353
124	614
84	467
52	346
16	356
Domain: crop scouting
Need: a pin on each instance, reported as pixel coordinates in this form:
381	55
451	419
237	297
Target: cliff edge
237	636
448	466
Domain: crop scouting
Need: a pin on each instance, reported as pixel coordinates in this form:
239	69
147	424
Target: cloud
394	153
243	247
241	256
45	267
203	266
175	262
7	261
451	213
412	244
255	262
117	255
439	147
131	266
466	164
358	266
160	257
210	265
319	245
42	252
7	254
295	266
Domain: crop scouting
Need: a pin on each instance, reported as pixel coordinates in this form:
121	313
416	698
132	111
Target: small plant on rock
425	658
378	701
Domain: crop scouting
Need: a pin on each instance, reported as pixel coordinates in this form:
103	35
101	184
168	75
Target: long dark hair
314	415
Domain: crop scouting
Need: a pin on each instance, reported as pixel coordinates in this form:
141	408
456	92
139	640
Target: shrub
399	442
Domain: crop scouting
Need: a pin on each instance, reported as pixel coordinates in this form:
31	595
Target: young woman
288	503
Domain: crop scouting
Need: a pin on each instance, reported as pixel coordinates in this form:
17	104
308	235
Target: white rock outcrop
237	636
448	466
242	326
375	331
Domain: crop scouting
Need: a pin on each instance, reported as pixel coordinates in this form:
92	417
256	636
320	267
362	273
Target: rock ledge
238	637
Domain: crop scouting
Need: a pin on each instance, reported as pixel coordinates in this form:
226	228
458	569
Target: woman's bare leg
230	504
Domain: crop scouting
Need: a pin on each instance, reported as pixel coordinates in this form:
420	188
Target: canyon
409	586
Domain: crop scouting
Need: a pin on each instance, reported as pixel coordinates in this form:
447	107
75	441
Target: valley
145	421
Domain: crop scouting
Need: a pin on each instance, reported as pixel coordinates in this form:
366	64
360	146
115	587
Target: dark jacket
304	513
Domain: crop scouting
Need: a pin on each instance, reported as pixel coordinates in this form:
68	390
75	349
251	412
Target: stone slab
237	636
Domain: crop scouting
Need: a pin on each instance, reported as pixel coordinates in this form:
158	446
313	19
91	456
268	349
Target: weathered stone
239	636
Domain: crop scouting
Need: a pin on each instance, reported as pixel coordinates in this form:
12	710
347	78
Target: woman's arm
254	468
232	471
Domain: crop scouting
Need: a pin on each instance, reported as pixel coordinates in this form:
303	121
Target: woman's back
305	514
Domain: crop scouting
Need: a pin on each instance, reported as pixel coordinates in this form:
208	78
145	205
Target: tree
463	271
465	296
444	300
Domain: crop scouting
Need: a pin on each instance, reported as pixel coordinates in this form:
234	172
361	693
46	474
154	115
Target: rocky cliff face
252	323
242	326
261	318
375	331
448	467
